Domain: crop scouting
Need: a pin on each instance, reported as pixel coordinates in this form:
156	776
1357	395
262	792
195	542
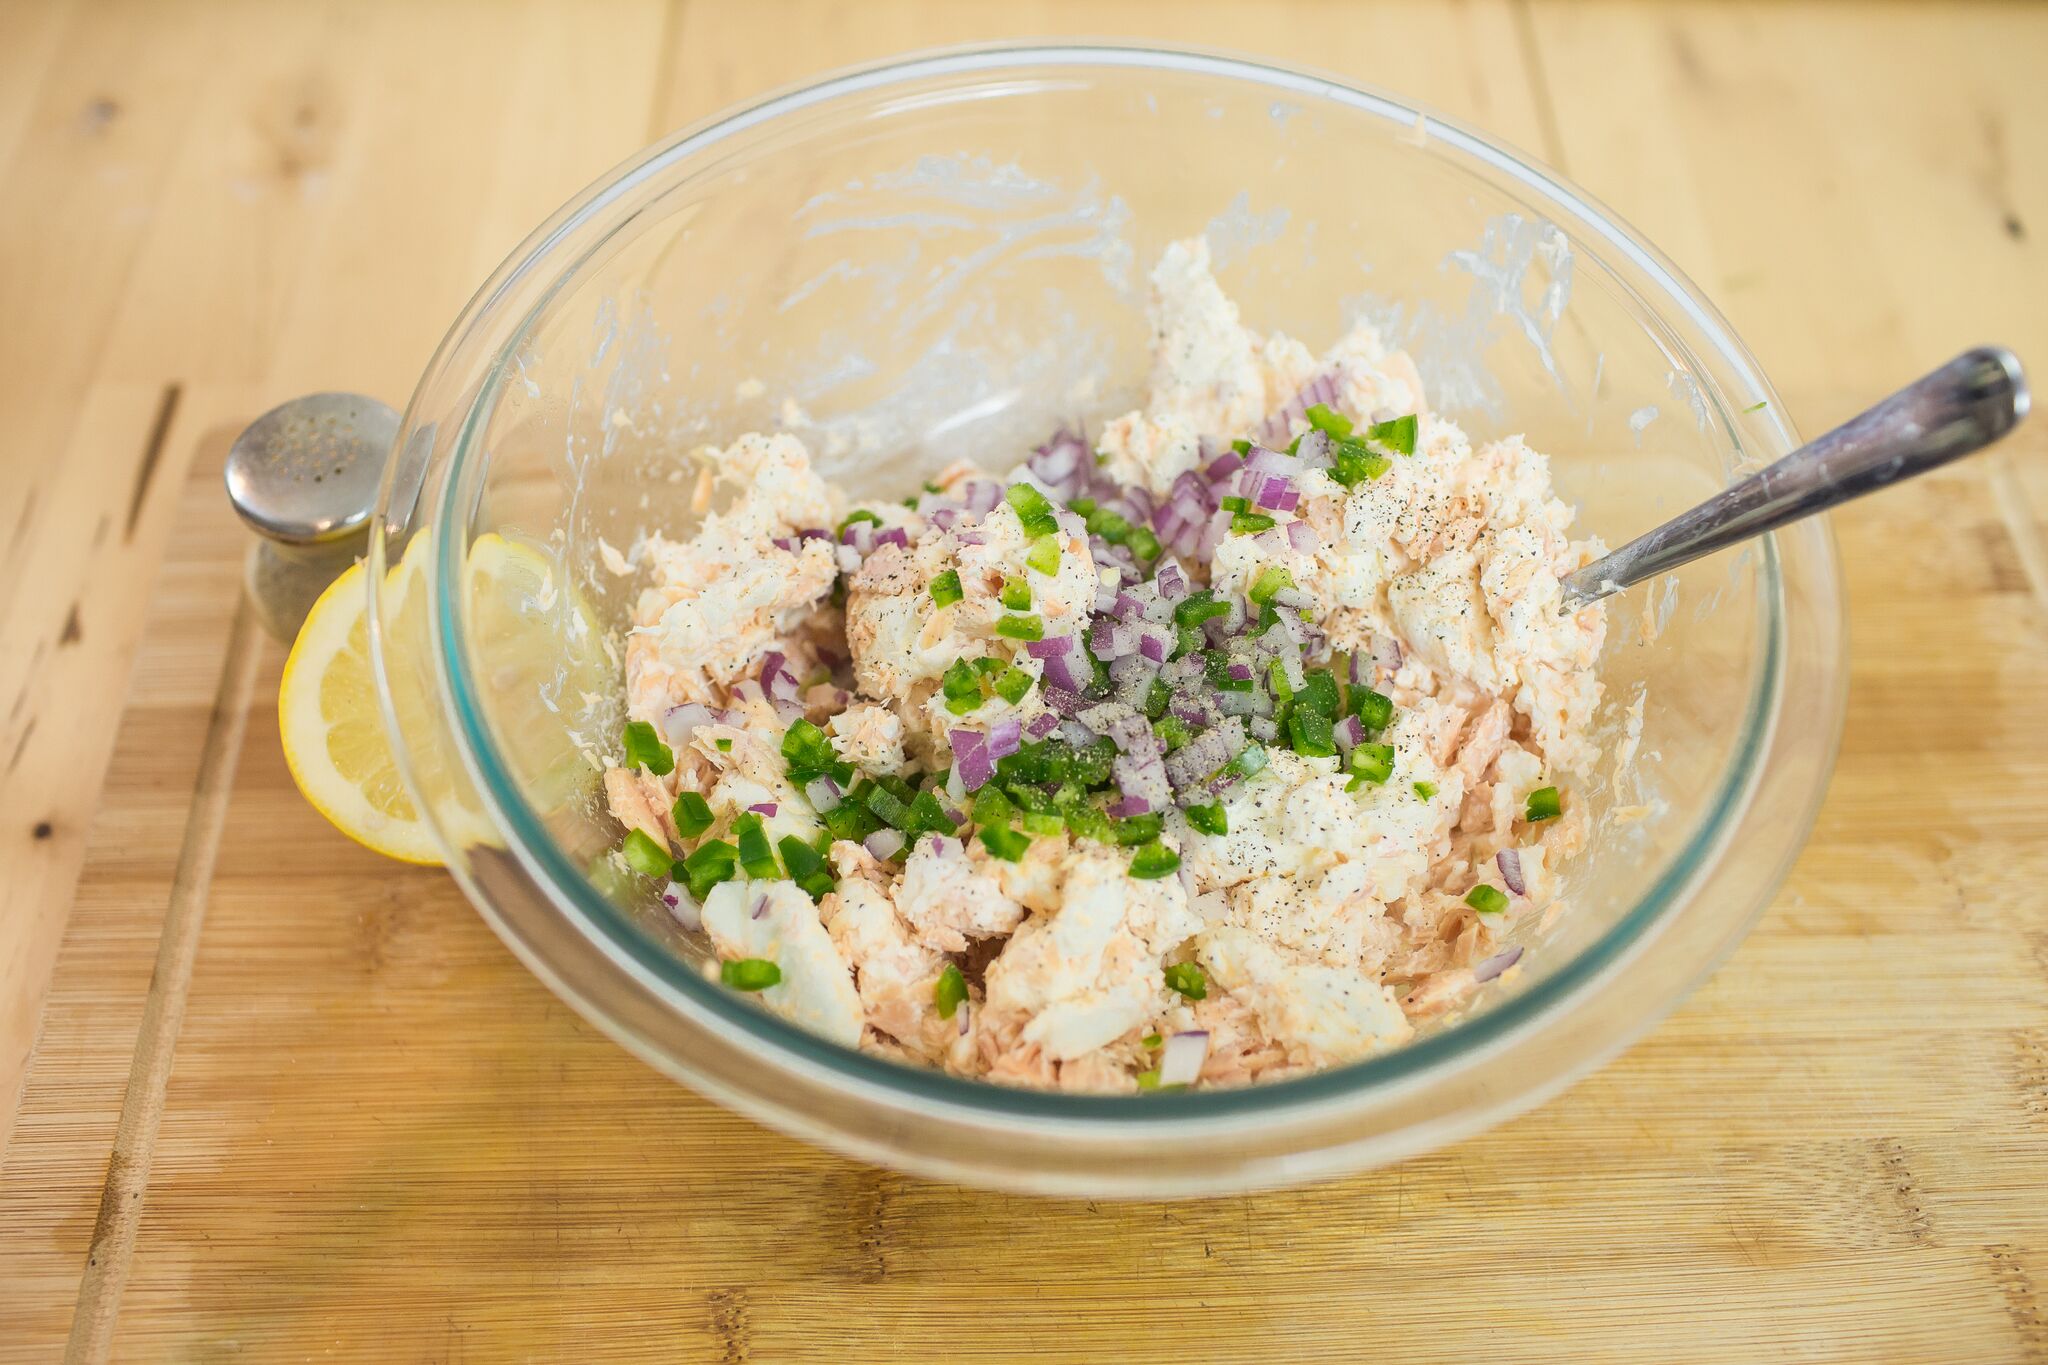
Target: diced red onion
1171	582
1279	427
1065	701
971	538
1302	537
747	691
970	758
760	907
1349	733
1223	468
813	533
1295	599
1386	652
1509	861
1498	963
1314	451
1076	734
765	809
1057	463
1129	806
895	535
1051	647
1064	672
823	794
884	843
1181	1057
784	543
1154	646
1005	737
678	721
682	906
1102	638
1275	493
1236	703
1264	729
945	518
771	664
981	496
1043	724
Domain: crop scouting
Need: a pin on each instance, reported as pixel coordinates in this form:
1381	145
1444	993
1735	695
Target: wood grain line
658	124
142	1106
2024	522
152	455
1539	85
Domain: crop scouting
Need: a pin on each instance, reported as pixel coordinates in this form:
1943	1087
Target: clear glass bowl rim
630	947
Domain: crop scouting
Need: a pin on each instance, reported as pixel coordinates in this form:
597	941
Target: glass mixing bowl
945	256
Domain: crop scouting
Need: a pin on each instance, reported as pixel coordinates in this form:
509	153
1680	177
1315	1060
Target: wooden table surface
262	1094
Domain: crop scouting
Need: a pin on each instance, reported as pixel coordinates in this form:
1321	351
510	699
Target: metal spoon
1962	407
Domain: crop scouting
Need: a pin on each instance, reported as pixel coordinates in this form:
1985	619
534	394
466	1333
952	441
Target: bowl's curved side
1443	1087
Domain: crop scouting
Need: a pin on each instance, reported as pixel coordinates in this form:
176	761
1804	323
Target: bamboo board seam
128	1165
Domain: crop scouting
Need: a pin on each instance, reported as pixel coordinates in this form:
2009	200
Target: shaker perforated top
306	472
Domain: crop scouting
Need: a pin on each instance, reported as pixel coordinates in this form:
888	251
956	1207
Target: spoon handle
1961	407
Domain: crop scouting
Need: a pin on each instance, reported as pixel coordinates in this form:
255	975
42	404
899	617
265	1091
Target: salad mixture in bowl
1220	744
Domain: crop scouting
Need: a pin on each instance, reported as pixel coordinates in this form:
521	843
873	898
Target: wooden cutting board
265	1095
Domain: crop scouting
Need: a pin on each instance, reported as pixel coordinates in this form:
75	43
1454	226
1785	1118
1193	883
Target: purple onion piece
1498	963
884	844
765	809
760	907
971	758
1129	806
1043	724
1301	537
1509	861
1051	647
1005	737
1181	1057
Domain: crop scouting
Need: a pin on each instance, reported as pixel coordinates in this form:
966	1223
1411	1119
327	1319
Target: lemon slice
538	651
333	733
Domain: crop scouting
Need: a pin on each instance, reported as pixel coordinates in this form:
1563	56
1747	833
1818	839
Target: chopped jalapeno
646	855
1545	804
1012	684
644	749
692	815
712	863
950	991
1375	709
1487	900
1006	844
946	589
1209	819
1185	978
1332	424
750	974
1398	434
1372	762
755	854
1153	861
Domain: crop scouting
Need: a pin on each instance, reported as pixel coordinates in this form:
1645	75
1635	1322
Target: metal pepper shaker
304	477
